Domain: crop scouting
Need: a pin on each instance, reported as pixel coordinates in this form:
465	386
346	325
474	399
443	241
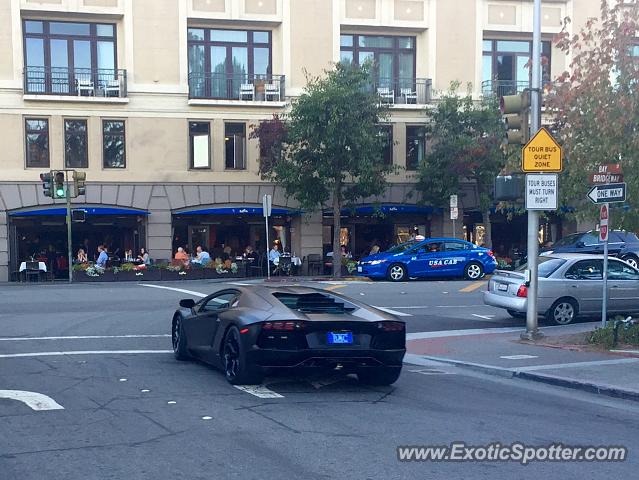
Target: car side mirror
187	303
580	244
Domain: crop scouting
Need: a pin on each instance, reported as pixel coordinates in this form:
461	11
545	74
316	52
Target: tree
596	106
465	138
330	149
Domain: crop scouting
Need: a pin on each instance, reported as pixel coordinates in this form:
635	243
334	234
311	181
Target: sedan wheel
397	273
474	271
632	261
236	368
563	312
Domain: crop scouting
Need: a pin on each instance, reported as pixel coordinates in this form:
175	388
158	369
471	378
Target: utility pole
69	239
532	331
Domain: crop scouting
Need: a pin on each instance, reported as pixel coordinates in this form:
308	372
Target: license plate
359	269
502	287
341	338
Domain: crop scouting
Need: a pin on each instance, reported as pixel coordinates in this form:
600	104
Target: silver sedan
570	285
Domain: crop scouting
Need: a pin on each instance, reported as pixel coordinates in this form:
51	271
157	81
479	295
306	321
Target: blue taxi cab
430	258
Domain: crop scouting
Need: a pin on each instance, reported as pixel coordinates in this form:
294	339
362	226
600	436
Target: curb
608	390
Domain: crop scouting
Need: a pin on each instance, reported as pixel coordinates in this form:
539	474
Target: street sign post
454	213
542	154
267	204
608	193
542	191
604	215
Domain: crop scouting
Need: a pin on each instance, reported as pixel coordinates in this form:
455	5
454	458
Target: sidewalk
501	352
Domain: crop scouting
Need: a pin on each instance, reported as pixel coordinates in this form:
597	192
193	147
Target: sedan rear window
547	266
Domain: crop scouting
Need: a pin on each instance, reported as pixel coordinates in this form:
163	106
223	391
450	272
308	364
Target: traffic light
59	190
47	184
79	180
515	110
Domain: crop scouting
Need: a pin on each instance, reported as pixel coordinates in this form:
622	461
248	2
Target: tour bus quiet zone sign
542	191
542	154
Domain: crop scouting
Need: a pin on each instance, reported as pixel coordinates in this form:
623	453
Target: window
590	239
507	61
37	142
620	271
454	246
235	146
113	144
219	302
68	57
386	132
220	61
200	144
76	153
394	58
415	146
586	270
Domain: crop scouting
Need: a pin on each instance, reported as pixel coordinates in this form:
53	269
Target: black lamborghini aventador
251	331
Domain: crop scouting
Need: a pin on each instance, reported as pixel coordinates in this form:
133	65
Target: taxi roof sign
542	154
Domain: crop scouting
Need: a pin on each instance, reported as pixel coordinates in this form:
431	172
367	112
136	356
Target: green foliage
330	149
605	336
465	143
597	106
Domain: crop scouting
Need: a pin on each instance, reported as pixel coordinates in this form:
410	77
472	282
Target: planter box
167	275
149	275
83	277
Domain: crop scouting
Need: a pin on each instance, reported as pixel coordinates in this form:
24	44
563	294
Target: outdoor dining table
41	266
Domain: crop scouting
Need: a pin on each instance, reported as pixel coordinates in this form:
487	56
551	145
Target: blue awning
237	210
388	209
62	211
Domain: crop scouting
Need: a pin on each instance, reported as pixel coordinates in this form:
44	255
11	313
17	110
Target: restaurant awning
235	210
61	211
389	209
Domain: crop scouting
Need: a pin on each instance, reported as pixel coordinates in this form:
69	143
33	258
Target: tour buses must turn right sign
542	154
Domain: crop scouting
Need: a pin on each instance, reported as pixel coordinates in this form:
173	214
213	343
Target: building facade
155	101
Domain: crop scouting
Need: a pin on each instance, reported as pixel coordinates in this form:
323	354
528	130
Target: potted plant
87	272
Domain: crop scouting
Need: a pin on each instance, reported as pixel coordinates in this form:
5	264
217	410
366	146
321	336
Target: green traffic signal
58	181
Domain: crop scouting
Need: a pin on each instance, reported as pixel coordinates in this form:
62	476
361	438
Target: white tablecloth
41	266
294	261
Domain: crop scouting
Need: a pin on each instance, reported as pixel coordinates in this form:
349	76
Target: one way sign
610	193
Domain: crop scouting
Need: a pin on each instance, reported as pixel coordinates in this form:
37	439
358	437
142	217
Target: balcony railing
503	87
404	91
250	88
81	82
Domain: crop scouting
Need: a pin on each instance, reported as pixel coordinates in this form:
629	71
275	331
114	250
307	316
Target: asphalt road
144	415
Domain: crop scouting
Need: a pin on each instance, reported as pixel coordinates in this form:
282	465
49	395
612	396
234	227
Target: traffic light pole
69	239
532	330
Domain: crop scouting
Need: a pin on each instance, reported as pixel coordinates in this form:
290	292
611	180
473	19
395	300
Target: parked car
434	257
250	331
621	244
570	286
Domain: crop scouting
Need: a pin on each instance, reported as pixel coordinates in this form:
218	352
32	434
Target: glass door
198	237
59	66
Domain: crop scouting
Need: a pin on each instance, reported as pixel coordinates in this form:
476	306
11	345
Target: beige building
155	99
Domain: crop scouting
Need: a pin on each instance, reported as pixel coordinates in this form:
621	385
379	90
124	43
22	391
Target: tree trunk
337	224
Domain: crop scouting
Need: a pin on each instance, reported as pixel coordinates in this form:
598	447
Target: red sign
610	168
603	223
599	178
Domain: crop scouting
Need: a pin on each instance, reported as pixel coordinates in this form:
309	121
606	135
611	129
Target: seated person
81	256
181	255
274	254
249	253
103	258
202	257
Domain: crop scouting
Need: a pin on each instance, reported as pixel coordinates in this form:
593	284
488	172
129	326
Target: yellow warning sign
542	154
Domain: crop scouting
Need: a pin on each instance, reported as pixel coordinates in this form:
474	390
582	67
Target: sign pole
604	304
266	210
69	236
532	331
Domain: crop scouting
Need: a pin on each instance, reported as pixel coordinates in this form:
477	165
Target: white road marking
181	290
518	357
241	284
34	400
485	317
206	417
171	402
421	307
430	371
460	333
81	352
80	337
259	391
578	364
393	312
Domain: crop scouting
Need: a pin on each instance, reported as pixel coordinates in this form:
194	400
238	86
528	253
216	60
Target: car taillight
283	326
523	291
491	253
391	326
